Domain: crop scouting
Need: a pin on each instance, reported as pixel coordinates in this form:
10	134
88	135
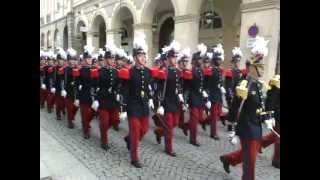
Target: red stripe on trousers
171	120
196	115
71	109
43	96
107	118
216	110
60	104
50	100
138	127
86	117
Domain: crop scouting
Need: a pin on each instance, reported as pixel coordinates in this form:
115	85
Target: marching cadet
86	91
195	93
273	104
70	86
120	58
138	98
60	92
101	57
49	81
214	84
171	97
42	77
108	95
251	113
232	79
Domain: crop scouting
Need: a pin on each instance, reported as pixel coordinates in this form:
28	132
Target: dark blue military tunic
213	84
195	87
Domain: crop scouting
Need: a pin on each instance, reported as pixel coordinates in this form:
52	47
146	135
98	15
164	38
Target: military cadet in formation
71	75
49	81
42	77
251	113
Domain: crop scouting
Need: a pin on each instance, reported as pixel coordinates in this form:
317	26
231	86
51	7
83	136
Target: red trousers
60	105
270	139
181	118
71	110
247	154
196	116
138	127
108	118
216	110
43	97
50	100
86	117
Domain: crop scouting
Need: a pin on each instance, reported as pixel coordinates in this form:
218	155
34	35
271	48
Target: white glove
225	110
151	105
64	93
180	98
223	90
160	111
233	138
80	87
95	105
118	97
53	90
205	94
43	86
123	116
185	107
208	104
269	123
98	89
76	102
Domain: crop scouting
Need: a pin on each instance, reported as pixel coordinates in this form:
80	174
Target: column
147	30
266	15
186	31
114	36
89	38
71	30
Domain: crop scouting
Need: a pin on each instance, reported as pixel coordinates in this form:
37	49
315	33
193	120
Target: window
206	23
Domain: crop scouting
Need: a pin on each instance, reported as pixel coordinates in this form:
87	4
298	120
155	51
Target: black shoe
225	164
204	127
49	111
136	164
127	142
86	136
116	128
229	127
195	144
215	137
105	147
173	154
276	164
158	138
185	131
59	118
70	125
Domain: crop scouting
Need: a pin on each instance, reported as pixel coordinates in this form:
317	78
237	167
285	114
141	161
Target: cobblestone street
65	154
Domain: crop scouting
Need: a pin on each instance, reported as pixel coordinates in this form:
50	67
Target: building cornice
142	26
53	22
260	5
186	18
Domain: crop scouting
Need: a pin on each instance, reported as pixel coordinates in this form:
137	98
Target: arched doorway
56	38
123	29
99	32
81	35
166	33
49	39
65	38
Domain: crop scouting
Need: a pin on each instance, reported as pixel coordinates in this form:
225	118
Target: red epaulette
75	72
180	73
50	69
187	75
154	72
94	73
207	71
124	73
162	74
61	71
228	73
244	72
41	68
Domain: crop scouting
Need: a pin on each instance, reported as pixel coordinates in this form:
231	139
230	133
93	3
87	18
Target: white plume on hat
260	46
237	51
50	54
202	48
158	56
88	49
81	56
140	41
72	52
120	52
219	50
101	52
175	45
185	53
111	47
130	58
95	56
62	53
209	54
165	49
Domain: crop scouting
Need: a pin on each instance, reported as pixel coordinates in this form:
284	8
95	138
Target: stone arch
116	10
49	39
98	30
148	9
56	38
82	18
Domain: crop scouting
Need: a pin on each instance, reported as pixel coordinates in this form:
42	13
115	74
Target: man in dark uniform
42	77
49	81
86	91
70	86
138	98
232	79
108	96
171	97
195	90
250	114
60	92
273	104
214	85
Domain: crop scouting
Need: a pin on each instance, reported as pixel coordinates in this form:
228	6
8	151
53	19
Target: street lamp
208	14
